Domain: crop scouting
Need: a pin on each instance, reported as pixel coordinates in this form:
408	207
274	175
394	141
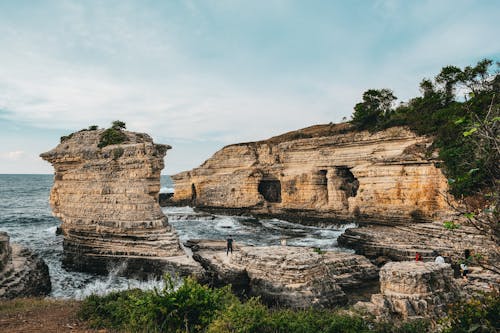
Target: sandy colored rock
382	177
22	273
107	200
413	289
297	277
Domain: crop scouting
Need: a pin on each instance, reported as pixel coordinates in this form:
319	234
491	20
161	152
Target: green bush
117	153
112	136
480	315
191	307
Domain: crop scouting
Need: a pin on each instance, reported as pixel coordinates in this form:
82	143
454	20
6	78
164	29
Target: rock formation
400	243
297	277
22	273
107	199
325	171
412	290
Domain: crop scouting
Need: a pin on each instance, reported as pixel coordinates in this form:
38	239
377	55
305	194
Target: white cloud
12	155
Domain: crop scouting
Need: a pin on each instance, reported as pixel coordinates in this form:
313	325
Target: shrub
249	317
112	136
475	315
93	127
191	307
118	125
117	153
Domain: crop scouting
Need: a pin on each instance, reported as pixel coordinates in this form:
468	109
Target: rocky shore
22	273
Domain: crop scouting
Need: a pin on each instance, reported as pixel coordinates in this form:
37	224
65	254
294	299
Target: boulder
413	289
22	272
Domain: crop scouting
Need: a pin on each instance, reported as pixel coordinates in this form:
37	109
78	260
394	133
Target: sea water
26	215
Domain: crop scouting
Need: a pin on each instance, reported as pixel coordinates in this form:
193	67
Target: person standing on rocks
439	259
229	245
464	264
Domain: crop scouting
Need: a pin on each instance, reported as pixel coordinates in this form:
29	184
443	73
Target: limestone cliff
22	273
325	171
107	201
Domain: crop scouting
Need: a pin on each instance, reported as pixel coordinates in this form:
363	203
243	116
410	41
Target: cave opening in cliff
349	184
323	182
270	189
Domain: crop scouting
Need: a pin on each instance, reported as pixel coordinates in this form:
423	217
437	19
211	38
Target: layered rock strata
325	171
400	243
22	273
413	290
296	277
107	199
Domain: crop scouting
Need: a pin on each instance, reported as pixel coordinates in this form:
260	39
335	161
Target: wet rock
22	273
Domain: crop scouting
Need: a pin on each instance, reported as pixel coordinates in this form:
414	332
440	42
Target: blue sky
199	75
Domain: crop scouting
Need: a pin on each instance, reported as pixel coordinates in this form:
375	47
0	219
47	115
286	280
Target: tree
375	108
118	125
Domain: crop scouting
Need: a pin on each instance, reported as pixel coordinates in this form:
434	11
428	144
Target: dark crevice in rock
270	189
350	184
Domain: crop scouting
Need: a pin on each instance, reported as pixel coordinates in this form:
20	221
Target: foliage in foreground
197	308
479	315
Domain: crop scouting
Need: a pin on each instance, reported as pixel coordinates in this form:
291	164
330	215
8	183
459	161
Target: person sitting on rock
418	257
229	245
438	258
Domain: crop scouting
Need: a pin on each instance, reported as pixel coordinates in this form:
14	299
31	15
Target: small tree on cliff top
118	125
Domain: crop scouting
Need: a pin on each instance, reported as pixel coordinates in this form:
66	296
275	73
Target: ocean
26	215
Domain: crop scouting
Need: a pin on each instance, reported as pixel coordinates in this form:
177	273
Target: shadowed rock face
382	177
22	273
107	201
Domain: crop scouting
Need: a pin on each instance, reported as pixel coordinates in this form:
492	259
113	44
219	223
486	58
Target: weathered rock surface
107	199
325	171
22	273
400	243
296	277
413	289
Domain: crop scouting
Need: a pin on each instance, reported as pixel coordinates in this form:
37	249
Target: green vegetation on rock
193	307
113	135
451	109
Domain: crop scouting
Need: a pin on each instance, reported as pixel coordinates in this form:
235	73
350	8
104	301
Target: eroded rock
22	273
325	171
107	199
413	289
296	277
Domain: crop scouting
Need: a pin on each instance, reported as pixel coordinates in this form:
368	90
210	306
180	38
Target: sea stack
105	192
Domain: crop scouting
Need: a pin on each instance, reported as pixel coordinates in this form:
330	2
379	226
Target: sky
199	75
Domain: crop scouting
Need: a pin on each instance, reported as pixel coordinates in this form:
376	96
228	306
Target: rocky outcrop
107	199
297	277
413	290
326	171
400	243
22	273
